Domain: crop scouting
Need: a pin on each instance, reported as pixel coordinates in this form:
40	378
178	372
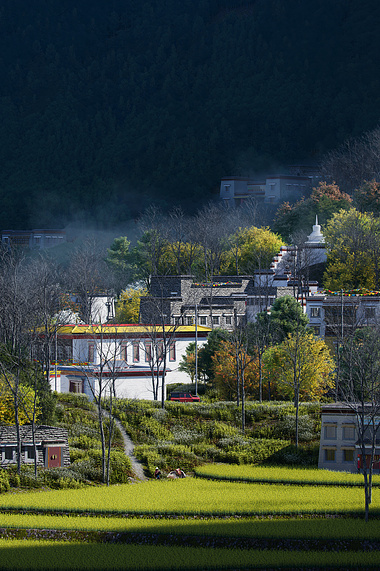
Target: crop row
314	528
282	475
196	496
63	555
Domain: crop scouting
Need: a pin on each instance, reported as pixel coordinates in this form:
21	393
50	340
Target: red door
54	456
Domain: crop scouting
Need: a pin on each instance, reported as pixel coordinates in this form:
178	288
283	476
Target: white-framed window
29	453
315	312
172	351
215	319
136	352
203	320
189	320
228	319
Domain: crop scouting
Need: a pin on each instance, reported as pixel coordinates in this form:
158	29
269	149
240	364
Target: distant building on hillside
272	189
33	239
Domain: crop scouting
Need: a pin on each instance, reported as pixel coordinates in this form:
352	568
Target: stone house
52	446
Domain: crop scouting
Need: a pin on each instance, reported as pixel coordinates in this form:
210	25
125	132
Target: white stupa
316	237
316	244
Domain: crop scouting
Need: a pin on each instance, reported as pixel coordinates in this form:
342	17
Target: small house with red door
51	446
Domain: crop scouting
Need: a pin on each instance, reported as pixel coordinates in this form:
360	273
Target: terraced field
194	523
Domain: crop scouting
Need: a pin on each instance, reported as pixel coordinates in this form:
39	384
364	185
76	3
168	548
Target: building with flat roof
34	239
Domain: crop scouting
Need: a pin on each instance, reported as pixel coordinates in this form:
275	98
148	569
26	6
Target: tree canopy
353	242
287	317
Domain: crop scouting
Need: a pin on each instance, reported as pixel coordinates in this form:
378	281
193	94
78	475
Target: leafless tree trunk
101	379
360	390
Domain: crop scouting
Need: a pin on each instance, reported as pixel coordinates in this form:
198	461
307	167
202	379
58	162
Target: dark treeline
110	104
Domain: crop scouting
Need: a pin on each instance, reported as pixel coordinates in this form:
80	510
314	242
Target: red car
184	397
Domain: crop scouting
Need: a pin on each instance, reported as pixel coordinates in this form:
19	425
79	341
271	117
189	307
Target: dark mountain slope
106	105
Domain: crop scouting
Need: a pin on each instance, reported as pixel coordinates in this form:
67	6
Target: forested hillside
106	105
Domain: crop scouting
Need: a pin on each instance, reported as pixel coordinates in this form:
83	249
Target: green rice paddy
193	496
35	555
306	525
347	528
280	474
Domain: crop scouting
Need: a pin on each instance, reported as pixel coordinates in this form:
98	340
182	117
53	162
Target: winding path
128	449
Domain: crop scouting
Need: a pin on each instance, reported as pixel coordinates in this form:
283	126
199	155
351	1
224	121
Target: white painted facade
121	353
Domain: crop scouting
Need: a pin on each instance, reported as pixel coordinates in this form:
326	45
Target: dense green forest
108	105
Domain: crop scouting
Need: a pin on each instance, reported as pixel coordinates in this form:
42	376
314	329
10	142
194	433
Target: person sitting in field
157	473
177	473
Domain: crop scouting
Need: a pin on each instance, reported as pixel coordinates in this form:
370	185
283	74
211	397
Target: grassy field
282	475
35	555
193	496
232	515
193	523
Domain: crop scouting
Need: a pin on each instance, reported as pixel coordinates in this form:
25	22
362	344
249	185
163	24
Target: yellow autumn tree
303	365
251	249
128	305
225	372
7	405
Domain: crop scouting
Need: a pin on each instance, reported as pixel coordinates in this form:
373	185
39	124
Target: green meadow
194	523
194	496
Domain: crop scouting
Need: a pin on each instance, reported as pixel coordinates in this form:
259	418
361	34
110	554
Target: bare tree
158	339
213	227
101	379
15	326
87	276
360	391
354	162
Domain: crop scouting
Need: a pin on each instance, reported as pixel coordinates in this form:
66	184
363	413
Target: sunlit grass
282	474
15	554
196	496
350	528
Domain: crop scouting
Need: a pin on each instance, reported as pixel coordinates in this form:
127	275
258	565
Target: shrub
120	465
155	429
215	430
60	478
306	455
206	451
4	481
77	454
85	442
177	455
149	456
183	435
286	428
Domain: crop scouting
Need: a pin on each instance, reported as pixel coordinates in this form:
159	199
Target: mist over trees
108	106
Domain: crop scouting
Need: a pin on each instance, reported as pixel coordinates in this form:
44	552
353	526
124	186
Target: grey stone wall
46	435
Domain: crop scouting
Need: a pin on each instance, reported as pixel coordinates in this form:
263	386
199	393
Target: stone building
52	446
